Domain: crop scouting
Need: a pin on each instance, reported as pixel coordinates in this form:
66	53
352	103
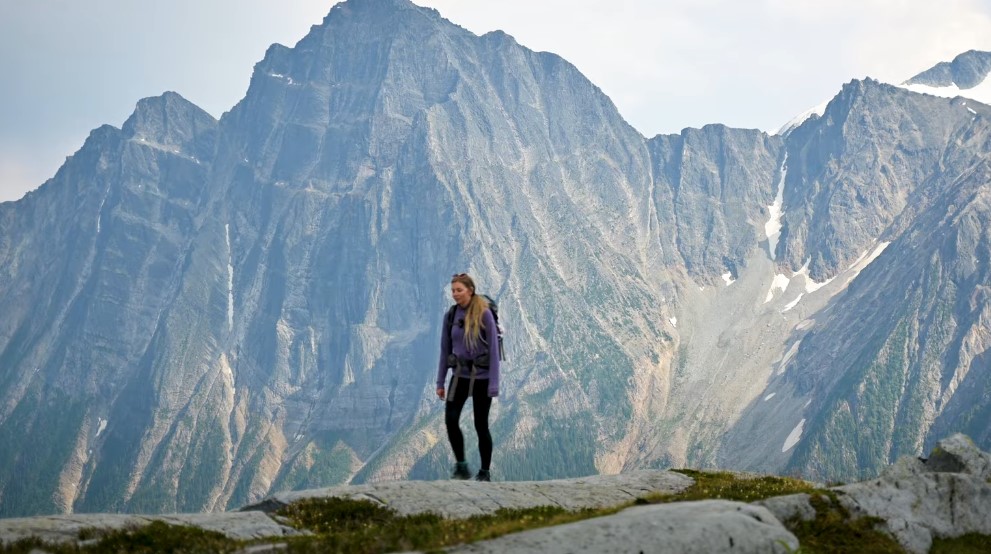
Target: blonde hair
473	314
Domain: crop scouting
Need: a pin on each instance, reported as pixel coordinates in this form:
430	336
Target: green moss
971	543
728	486
156	537
162	537
346	525
834	531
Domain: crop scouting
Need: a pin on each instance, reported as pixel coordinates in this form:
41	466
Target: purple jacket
452	341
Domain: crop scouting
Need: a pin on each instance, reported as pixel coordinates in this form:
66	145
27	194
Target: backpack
494	308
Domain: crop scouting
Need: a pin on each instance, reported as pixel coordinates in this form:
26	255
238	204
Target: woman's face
461	294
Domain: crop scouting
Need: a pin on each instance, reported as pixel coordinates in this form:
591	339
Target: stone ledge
464	499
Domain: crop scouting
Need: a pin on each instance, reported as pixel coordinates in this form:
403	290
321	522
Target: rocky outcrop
69	528
463	499
700	527
452	499
944	496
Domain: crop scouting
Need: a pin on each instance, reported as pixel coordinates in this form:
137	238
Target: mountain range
199	312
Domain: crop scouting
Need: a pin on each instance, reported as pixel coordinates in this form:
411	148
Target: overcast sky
68	67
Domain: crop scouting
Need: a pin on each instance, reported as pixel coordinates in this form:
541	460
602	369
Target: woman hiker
470	347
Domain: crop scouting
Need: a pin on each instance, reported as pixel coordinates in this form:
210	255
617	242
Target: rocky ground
914	501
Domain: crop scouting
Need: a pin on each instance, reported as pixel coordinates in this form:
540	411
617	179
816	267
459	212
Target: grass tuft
729	486
834	531
347	525
156	537
971	543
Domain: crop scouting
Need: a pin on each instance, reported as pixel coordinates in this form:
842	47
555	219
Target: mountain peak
965	71
375	9
169	120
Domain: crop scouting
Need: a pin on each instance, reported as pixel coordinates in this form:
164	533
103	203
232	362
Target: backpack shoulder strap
449	318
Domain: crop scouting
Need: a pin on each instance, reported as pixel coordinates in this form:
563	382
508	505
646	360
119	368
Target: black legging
480	406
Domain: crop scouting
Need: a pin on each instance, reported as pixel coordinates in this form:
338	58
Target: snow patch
865	259
794	436
99	211
101	426
788	356
728	277
793	303
283	77
810	285
770	396
780	281
981	93
673	320
772	229
796	121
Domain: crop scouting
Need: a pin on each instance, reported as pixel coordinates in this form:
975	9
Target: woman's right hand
440	393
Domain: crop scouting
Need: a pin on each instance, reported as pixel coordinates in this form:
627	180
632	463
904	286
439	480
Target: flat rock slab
463	499
707	526
66	528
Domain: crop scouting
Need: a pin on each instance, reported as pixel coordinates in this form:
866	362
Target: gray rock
66	528
959	454
917	508
463	499
708	526
966	71
904	468
790	506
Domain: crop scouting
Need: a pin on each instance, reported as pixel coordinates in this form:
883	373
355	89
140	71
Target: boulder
706	526
959	454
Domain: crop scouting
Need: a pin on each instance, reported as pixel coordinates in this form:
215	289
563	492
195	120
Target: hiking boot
483	475
461	471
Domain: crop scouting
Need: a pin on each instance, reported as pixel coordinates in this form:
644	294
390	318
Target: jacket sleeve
445	349
493	333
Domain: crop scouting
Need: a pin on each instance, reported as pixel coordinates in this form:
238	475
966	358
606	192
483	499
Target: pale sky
68	67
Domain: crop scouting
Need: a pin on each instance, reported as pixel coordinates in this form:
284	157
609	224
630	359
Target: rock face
198	313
